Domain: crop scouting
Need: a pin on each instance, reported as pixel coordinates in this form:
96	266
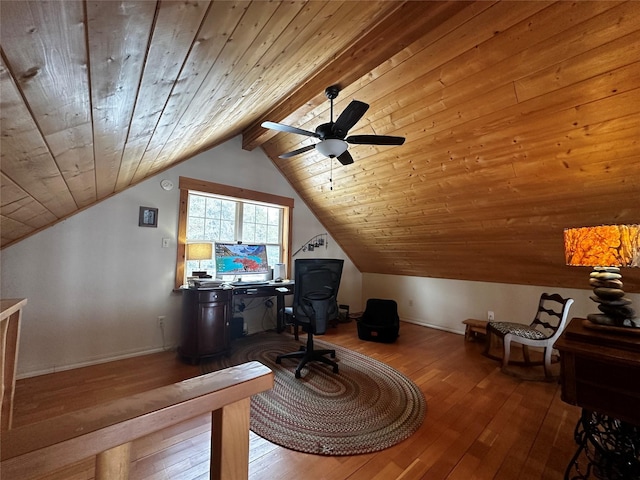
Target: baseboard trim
430	325
95	361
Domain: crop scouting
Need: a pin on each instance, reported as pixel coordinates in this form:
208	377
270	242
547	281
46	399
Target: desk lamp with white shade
199	251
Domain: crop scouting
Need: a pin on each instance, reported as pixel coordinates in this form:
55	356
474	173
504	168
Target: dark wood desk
207	315
600	372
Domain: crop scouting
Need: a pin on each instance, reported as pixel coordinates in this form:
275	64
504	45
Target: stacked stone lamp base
615	308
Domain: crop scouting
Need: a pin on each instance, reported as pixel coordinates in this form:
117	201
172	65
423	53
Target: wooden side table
599	368
474	327
10	316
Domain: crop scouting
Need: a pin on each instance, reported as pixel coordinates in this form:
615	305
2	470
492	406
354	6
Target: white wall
97	282
444	304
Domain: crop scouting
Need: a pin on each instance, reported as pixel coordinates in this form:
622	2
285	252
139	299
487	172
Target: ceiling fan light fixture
332	135
332	147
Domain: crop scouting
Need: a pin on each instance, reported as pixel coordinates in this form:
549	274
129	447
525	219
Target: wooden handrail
10	318
107	430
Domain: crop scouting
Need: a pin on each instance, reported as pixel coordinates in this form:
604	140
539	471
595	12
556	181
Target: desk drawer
211	296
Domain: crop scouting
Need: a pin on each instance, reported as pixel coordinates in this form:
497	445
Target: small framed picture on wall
148	217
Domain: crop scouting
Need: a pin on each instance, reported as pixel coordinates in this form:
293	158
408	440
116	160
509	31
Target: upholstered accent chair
544	330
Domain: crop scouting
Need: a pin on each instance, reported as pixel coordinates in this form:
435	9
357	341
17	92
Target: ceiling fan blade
374	140
345	158
297	152
349	117
288	129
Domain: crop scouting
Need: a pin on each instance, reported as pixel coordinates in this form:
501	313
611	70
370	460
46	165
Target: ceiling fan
333	140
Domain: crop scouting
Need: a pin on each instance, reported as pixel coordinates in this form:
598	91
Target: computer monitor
240	260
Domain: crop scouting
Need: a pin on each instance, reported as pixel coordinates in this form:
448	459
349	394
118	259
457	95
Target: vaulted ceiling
521	118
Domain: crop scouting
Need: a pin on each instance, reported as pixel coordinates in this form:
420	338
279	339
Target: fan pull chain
331	175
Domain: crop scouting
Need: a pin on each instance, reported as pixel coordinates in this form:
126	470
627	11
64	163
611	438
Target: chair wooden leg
547	361
506	350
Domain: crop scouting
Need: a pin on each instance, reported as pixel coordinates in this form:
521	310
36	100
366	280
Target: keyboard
249	284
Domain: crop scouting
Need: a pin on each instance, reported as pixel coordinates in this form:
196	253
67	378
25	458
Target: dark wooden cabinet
206	315
599	369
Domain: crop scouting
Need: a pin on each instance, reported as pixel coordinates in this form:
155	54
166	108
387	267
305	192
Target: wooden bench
107	430
474	327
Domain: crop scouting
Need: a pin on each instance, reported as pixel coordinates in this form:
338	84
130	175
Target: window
211	212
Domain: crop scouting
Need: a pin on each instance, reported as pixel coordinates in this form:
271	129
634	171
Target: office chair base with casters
309	354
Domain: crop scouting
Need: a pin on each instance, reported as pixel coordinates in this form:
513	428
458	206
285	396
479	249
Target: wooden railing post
113	464
230	442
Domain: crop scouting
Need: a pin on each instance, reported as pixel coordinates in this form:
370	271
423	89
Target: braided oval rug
366	407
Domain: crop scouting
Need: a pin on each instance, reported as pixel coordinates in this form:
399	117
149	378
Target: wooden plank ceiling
521	118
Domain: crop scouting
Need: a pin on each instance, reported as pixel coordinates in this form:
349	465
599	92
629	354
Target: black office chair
314	304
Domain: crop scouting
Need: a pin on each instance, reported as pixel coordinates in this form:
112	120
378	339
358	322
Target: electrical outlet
411	302
161	321
490	316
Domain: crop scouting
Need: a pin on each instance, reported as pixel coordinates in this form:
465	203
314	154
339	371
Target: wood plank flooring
480	422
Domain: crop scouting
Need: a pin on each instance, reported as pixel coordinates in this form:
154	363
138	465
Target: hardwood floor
480	422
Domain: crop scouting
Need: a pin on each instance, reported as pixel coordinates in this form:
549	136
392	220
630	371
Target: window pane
228	210
211	218
196	206
273	255
260	233
248	232
190	266
248	213
195	228
211	229
227	231
213	207
273	216
273	234
261	214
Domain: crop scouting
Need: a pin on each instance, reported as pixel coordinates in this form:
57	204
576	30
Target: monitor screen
241	259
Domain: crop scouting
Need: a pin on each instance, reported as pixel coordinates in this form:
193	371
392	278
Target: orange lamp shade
603	246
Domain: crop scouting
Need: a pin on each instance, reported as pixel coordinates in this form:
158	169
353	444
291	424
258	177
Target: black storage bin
380	321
